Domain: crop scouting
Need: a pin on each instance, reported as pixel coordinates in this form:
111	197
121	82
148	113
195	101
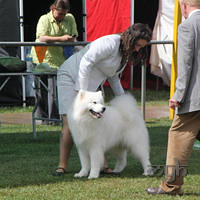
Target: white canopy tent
161	55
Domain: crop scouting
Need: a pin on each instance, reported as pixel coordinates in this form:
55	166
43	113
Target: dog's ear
100	93
81	94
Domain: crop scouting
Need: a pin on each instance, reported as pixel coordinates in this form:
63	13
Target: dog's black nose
103	109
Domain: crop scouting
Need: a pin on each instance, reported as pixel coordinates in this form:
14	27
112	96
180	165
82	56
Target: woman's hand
173	104
65	38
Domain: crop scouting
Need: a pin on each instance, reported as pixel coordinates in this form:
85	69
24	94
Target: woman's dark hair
129	38
61	4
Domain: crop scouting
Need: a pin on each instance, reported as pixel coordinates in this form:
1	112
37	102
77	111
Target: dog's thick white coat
97	128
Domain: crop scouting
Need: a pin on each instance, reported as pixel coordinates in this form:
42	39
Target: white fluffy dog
97	128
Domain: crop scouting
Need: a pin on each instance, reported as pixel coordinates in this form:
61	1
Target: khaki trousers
182	135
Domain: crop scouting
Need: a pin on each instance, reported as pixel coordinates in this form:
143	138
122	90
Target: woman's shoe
60	171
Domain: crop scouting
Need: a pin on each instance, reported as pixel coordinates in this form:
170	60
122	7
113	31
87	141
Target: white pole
143	92
84	20
132	11
143	81
21	19
132	22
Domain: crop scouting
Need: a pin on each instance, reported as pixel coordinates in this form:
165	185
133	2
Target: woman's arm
64	38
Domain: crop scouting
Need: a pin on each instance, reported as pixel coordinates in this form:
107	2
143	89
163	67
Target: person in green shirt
56	26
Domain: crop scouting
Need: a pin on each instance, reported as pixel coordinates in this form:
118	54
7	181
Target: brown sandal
108	171
59	173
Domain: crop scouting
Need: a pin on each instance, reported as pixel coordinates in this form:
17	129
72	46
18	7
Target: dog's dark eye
94	102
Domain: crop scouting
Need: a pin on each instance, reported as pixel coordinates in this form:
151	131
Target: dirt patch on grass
16	118
26	118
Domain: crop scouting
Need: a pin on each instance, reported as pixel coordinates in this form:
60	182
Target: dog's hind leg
97	161
121	160
141	153
85	164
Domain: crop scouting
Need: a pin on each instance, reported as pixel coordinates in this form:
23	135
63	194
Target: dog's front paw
80	174
93	175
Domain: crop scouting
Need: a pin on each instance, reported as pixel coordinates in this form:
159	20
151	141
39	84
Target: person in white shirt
102	59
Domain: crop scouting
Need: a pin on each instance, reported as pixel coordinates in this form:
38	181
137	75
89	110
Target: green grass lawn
26	167
153	97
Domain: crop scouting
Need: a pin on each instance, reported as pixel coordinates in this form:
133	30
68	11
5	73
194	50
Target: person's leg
52	108
181	138
66	96
41	96
106	169
182	135
66	143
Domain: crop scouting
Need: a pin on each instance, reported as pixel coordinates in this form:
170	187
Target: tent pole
132	22
84	20
21	18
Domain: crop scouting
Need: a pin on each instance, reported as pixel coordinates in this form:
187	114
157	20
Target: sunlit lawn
26	167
